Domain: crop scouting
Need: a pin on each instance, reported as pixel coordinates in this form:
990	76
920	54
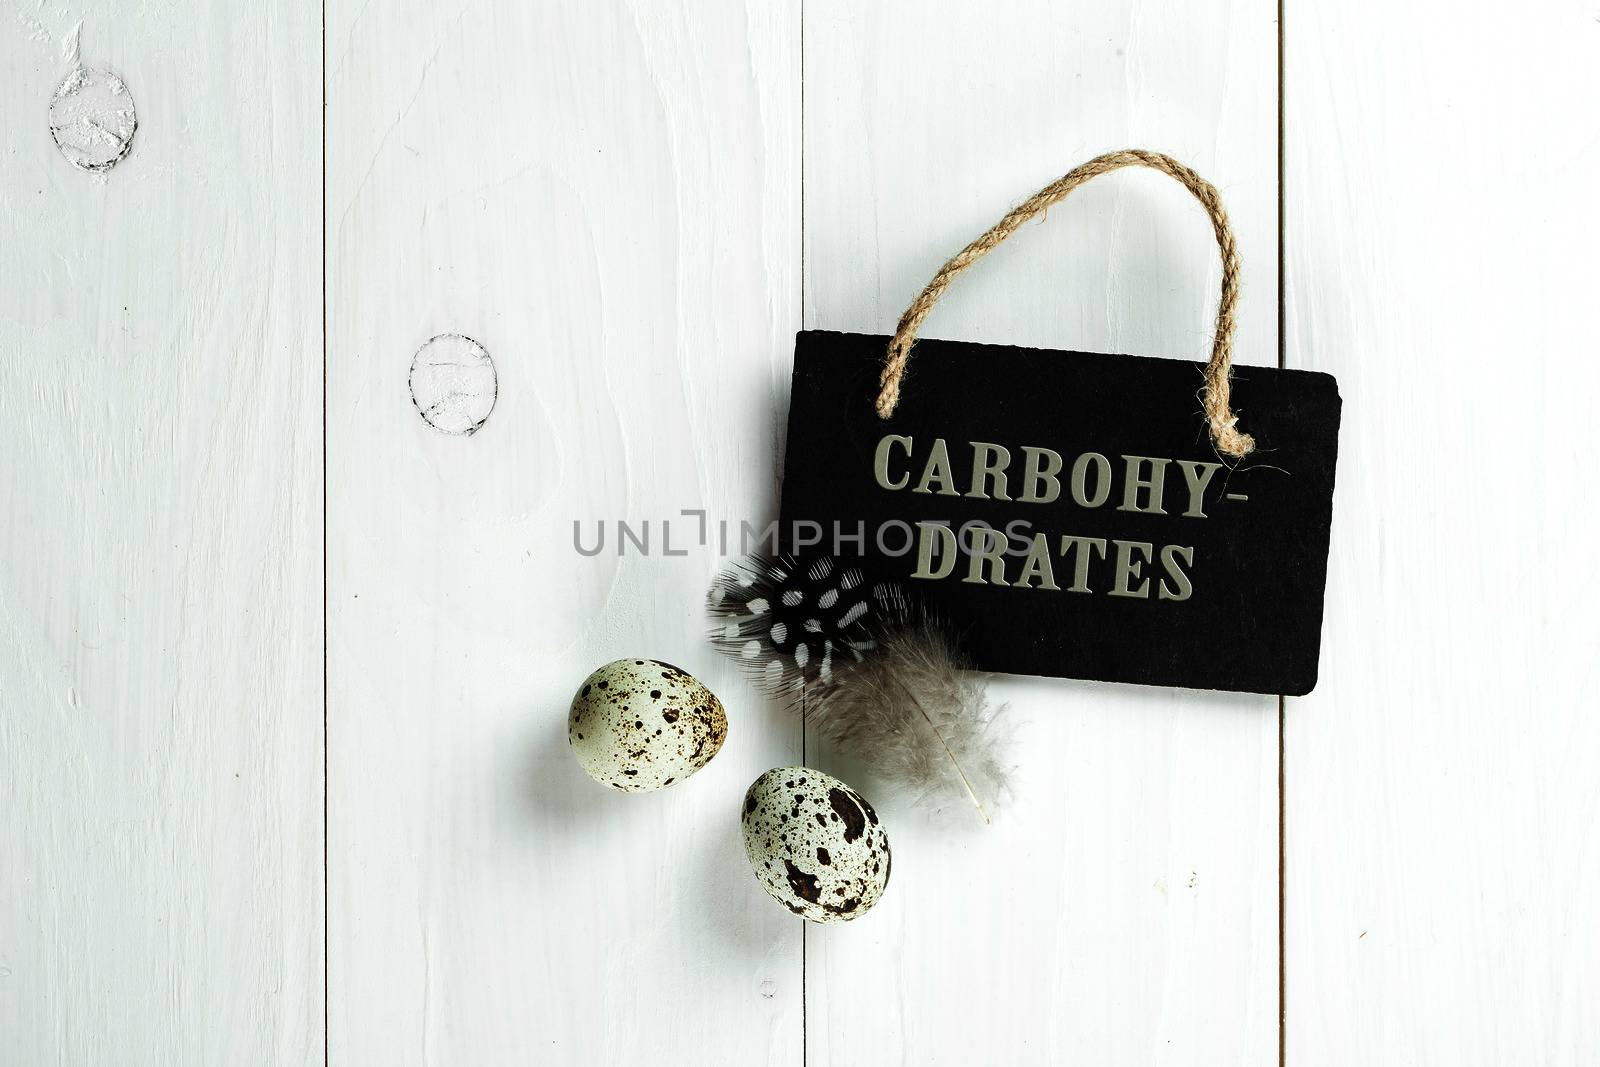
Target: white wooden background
283	670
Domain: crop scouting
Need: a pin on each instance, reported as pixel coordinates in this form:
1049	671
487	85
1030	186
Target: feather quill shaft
966	783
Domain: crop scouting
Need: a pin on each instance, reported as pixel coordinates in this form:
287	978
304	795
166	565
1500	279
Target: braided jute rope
1229	440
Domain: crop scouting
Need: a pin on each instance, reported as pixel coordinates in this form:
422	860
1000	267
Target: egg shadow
734	913
556	792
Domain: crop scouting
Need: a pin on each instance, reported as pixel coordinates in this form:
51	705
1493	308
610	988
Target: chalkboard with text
1067	514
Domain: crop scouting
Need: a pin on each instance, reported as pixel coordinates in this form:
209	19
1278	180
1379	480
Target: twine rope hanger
1214	396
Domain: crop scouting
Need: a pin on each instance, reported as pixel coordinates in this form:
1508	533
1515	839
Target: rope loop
1215	394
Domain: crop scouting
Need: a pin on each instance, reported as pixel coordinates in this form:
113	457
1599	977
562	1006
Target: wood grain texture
160	550
1443	805
1125	909
605	196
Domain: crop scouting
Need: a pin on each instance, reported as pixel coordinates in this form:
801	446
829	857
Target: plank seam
1283	1007
327	1040
805	974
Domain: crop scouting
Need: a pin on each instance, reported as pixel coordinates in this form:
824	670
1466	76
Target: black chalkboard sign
1067	513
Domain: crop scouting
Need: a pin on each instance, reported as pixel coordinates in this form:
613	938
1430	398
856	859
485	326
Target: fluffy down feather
918	720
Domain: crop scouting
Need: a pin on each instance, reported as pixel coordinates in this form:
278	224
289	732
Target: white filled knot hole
453	384
92	119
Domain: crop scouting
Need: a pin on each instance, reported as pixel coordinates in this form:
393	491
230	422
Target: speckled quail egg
640	724
815	844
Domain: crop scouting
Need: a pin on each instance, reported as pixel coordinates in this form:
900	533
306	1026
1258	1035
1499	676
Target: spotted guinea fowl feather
870	671
793	624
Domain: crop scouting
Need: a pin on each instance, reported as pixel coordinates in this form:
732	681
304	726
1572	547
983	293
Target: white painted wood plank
1443	810
160	551
1125	911
605	196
